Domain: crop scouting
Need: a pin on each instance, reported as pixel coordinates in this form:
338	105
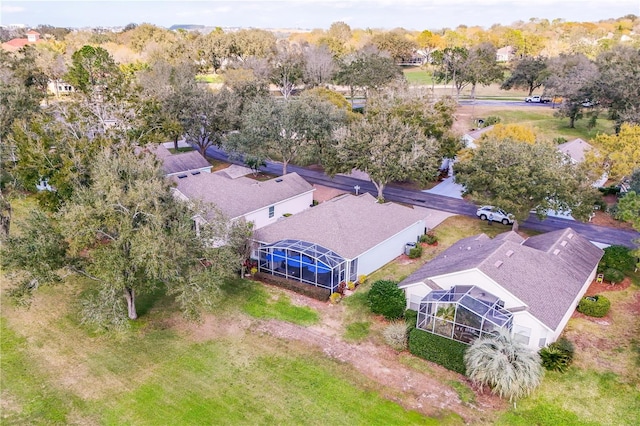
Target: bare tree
319	66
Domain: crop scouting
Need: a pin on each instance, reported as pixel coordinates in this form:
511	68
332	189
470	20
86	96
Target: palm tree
509	368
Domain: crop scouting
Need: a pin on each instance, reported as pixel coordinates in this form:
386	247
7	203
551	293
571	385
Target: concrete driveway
447	188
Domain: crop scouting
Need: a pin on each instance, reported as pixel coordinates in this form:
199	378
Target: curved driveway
601	234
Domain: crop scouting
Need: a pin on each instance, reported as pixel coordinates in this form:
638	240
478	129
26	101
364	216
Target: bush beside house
446	352
386	299
594	306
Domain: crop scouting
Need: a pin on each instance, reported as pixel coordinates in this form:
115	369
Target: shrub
491	120
415	252
446	352
617	257
351	285
335	298
557	356
594	306
341	288
429	238
613	275
509	368
411	318
395	334
362	279
385	298
609	190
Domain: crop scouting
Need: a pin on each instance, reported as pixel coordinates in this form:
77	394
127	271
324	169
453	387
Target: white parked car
495	215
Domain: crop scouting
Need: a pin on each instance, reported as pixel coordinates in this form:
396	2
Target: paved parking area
447	188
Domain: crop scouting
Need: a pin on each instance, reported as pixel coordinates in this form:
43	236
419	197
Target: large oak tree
520	177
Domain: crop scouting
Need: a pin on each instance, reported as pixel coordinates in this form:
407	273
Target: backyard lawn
228	369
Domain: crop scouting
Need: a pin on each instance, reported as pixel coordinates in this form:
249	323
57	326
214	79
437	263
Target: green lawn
580	398
549	127
209	78
418	76
165	370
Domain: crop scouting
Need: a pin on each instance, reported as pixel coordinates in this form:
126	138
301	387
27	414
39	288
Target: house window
521	334
542	342
272	211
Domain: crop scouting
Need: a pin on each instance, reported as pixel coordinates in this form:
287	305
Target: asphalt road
601	234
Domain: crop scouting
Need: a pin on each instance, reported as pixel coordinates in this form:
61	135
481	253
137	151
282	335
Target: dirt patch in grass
599	288
607	344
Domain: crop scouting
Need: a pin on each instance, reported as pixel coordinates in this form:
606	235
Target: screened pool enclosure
306	262
463	313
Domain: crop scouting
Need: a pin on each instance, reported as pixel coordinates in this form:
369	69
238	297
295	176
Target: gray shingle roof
576	149
183	162
545	271
349	225
237	197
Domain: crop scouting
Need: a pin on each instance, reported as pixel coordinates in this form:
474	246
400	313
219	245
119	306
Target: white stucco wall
293	205
523	321
386	251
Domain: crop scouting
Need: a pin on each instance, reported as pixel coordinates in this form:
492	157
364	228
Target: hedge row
446	352
318	293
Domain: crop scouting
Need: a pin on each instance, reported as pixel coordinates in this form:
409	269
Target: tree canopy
620	153
385	147
520	177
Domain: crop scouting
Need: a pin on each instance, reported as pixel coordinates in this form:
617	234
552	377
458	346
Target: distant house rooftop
242	195
180	162
576	149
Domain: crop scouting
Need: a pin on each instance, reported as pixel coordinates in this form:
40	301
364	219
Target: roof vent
182	176
509	253
570	236
197	172
556	251
469	248
498	263
278	180
563	243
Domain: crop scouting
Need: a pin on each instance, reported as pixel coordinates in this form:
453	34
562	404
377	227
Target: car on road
495	215
537	99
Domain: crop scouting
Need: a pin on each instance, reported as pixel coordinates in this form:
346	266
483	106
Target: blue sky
409	14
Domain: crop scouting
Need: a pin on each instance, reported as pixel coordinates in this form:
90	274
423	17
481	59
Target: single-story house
470	138
575	150
260	202
59	87
189	162
505	54
338	240
530	287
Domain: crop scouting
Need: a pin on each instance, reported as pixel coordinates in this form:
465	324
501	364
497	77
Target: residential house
576	150
260	202
179	163
479	285
472	137
338	240
60	88
15	44
505	54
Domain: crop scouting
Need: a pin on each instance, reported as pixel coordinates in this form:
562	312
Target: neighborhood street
596	233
